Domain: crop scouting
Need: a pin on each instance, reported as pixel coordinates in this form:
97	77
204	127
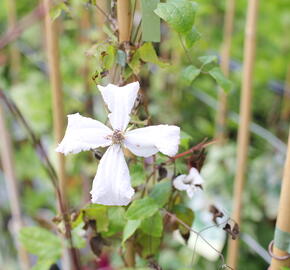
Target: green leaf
41	242
191	37
185	214
130	228
189	74
153	226
161	192
221	80
109	57
185	139
55	12
99	213
137	173
142	208
150	21
208	62
43	265
180	14
135	64
149	245
148	54
77	236
116	215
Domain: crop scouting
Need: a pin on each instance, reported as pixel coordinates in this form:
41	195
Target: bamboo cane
245	116
12	188
51	35
14	53
51	29
124	23
283	219
124	20
225	64
286	97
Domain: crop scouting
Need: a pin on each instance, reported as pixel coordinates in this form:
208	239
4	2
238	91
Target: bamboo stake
12	189
245	116
124	20
85	26
283	219
51	35
51	29
286	97
221	121
14	53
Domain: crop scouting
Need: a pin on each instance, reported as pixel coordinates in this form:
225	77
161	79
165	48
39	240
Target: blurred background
24	77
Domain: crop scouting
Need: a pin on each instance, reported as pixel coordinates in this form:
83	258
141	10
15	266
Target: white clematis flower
190	182
111	185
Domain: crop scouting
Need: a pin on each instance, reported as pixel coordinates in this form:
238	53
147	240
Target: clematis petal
148	141
120	101
195	176
83	134
190	191
111	185
179	184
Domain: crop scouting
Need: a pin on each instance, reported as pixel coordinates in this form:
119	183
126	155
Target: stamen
117	137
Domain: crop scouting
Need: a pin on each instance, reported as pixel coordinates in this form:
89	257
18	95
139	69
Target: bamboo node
279	258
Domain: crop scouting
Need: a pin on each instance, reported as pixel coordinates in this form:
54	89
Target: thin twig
203	230
23	24
46	162
35	141
6	154
191	150
174	217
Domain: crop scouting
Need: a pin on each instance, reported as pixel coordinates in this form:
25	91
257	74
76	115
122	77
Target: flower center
117	136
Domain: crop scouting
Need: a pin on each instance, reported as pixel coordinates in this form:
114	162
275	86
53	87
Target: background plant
179	78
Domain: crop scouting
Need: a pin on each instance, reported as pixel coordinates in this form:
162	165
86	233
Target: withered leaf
216	213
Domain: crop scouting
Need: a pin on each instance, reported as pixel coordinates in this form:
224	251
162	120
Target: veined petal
83	134
179	184
111	185
195	176
120	101
148	141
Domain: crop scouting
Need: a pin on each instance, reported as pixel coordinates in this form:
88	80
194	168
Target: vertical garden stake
225	64
124	20
124	24
245	115
51	35
281	244
12	188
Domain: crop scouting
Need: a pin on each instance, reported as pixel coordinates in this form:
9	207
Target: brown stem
130	254
191	150
245	116
35	141
12	188
13	33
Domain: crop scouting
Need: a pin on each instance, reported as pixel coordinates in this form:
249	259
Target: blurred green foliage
171	80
